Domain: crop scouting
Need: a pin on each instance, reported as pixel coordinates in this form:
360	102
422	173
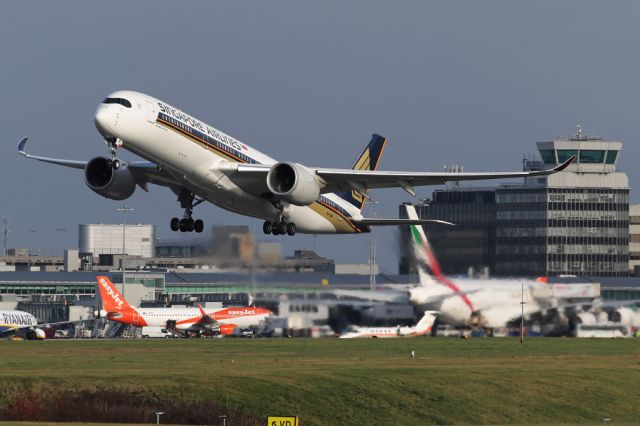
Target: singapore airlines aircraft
420	329
182	321
200	163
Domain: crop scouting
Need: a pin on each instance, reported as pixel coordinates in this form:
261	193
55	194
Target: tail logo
111	292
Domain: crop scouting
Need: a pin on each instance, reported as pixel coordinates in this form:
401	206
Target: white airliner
181	320
488	303
17	323
200	163
420	329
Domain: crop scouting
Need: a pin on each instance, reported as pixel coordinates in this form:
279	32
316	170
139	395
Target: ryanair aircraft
200	163
20	323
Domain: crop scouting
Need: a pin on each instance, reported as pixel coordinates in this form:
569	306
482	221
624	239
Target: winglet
204	314
564	165
21	146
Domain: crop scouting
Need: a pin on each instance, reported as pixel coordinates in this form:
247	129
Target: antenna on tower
5	233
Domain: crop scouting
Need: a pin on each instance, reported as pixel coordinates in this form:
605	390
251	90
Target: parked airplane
20	323
488	303
180	320
420	329
200	163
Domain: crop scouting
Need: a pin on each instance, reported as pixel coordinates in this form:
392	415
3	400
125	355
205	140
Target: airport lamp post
522	315
124	211
158	414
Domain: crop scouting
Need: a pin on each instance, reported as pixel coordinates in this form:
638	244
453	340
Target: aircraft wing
252	177
205	320
394	222
144	171
347	179
68	163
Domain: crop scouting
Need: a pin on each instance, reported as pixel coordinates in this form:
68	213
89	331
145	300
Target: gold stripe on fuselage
220	152
341	222
332	215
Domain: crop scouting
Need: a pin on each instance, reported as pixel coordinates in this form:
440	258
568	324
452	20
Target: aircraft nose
104	120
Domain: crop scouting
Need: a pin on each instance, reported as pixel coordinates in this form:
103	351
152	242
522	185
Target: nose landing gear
187	201
114	144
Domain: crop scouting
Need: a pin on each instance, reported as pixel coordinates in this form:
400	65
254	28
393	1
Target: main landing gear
187	201
280	226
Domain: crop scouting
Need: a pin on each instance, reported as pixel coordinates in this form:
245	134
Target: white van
148	332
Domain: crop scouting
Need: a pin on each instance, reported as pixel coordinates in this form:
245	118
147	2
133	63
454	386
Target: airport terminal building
575	222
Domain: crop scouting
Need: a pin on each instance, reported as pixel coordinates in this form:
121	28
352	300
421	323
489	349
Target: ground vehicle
602	330
148	332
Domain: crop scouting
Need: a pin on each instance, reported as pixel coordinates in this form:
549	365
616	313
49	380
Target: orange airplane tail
112	300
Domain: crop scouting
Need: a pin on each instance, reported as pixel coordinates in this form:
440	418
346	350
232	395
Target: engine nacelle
104	180
293	183
36	334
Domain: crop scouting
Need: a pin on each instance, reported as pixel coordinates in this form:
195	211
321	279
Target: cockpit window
120	101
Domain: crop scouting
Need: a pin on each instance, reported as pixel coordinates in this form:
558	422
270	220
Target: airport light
158	414
224	419
522	302
124	209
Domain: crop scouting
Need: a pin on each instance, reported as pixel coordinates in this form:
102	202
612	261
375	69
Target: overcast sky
473	83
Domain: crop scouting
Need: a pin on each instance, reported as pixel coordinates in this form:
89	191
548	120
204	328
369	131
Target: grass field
331	381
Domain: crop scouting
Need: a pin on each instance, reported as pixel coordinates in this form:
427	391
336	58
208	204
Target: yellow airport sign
282	421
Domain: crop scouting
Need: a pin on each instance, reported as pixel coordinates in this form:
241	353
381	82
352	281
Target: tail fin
112	300
425	324
422	251
367	160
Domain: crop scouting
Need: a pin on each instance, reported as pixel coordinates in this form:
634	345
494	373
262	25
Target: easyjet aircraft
423	327
195	320
200	163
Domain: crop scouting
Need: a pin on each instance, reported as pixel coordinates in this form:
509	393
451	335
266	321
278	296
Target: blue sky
473	83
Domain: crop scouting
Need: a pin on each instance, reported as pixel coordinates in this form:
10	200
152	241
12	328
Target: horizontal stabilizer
394	222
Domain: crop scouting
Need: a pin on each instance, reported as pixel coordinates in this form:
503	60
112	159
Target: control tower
572	222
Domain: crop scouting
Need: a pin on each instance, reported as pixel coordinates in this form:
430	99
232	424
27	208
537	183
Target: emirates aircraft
489	303
182	321
200	163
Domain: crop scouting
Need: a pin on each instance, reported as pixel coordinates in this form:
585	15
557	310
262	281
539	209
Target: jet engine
626	316
36	334
104	180
293	183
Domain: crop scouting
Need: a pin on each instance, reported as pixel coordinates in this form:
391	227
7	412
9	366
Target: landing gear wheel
175	224
190	224
198	226
183	225
291	229
115	164
267	227
280	228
